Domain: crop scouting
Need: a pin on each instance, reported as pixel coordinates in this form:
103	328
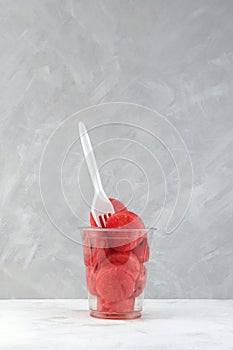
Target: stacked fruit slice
115	270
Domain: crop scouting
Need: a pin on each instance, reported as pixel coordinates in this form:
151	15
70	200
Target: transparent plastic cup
115	261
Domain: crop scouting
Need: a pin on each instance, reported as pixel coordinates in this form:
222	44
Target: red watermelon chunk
93	256
92	251
114	283
140	282
125	240
117	205
142	250
91	280
128	260
126	305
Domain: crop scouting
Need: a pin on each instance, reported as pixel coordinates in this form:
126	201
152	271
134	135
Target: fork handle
90	158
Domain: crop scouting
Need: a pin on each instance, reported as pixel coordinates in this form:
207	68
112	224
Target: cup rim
100	229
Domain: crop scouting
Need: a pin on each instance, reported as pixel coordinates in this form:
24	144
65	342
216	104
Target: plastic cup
115	261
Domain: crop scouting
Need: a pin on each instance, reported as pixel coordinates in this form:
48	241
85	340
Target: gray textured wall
57	57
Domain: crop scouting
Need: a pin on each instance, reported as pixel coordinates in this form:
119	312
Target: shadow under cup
115	261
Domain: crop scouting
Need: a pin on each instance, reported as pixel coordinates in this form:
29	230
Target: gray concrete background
57	57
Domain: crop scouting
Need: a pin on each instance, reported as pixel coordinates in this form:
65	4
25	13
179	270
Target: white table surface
166	324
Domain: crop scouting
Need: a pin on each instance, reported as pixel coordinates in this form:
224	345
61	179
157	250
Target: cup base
132	315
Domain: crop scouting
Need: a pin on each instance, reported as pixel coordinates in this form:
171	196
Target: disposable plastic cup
116	270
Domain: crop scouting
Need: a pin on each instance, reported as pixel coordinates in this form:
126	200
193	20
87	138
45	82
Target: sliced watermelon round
93	256
140	282
91	280
128	260
126	305
114	283
117	205
94	250
142	251
125	240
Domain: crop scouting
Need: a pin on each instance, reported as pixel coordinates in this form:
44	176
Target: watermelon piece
126	305
114	283
123	240
93	256
128	260
117	205
140	282
94	250
91	280
142	251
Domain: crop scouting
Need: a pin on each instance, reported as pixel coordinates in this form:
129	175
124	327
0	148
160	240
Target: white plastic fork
101	208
